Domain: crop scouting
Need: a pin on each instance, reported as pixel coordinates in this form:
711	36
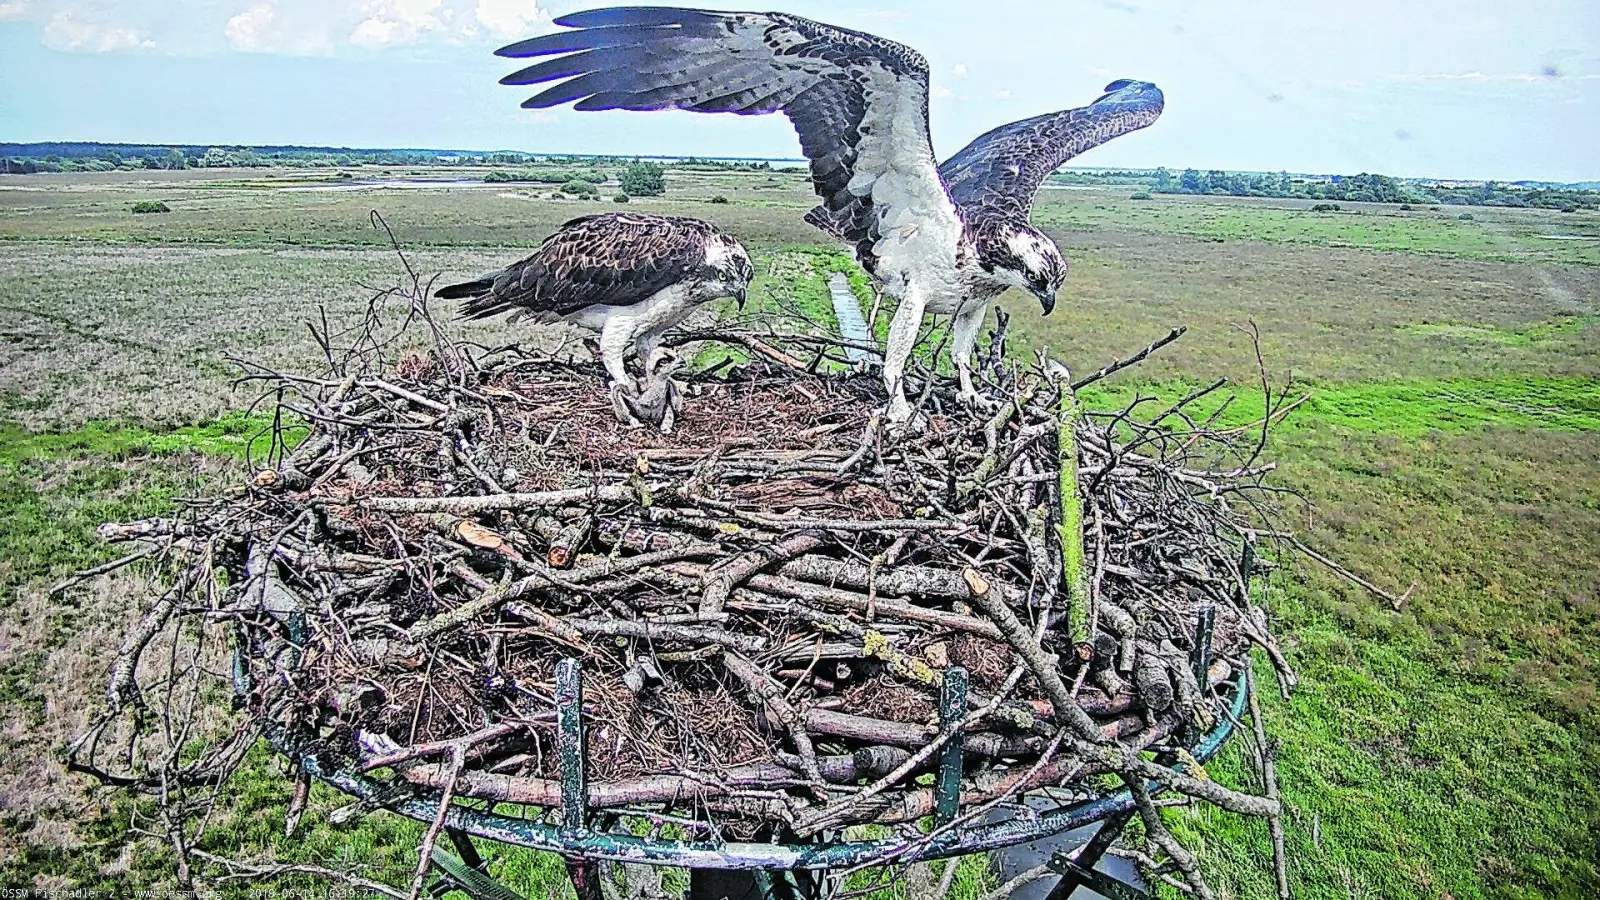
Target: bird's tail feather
477	298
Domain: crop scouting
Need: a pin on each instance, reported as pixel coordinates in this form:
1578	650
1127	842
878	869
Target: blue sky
1450	88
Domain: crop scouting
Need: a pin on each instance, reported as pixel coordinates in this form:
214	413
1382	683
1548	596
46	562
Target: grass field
1447	749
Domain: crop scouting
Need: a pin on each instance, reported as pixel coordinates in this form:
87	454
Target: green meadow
1450	441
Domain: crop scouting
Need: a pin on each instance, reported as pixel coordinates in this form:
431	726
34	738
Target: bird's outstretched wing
613	259
859	103
1001	171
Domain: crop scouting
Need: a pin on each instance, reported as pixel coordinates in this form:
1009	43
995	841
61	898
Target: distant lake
386	183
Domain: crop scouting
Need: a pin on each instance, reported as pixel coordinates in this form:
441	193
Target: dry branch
400	587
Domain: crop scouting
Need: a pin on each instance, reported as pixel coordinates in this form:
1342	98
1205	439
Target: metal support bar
465	848
570	746
1080	871
775	854
722	884
1205	624
456	875
585	875
573	755
1109	831
1074	876
952	710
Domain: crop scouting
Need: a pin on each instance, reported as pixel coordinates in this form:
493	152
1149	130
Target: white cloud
288	27
293	28
398	22
960	71
1003	94
511	18
248	30
66	31
942	93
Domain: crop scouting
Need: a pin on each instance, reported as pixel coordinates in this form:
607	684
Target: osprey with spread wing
940	240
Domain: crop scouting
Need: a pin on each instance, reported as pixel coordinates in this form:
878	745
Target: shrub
1325	207
719	199
577	187
151	206
644	179
1405	207
498	176
620	198
1142	195
1465	217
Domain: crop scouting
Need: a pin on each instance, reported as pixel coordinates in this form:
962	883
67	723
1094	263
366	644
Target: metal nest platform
584	837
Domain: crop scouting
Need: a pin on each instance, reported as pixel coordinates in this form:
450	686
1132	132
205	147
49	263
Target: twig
458	761
1269	778
1120	364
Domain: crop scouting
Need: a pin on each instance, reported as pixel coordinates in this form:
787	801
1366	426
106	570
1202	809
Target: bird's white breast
660	310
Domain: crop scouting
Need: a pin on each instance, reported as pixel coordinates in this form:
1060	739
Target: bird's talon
620	397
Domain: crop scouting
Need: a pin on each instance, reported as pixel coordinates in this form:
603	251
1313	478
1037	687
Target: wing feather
1002	171
858	103
613	259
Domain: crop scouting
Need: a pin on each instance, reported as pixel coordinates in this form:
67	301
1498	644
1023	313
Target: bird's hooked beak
1047	299
740	296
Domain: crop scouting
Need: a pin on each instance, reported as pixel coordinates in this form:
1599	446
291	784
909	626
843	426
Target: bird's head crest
733	265
1034	263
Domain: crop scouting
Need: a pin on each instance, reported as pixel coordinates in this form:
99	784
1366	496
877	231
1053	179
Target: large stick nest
764	602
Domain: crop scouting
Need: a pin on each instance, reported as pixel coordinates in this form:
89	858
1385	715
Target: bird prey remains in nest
627	276
944	240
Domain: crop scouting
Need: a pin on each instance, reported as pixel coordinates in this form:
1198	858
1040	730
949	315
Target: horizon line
768	159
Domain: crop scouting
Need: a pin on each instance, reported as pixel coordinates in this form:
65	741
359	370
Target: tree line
1369	188
1365	187
109	159
94	157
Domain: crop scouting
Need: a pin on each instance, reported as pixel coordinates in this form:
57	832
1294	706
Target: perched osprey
627	276
942	240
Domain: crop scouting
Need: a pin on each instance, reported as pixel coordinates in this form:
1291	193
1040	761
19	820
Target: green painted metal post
952	710
1205	624
1070	531
573	757
570	744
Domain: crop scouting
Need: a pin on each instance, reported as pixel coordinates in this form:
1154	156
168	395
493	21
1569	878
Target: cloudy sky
1452	88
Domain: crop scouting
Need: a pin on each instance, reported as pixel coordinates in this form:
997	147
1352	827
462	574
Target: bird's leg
968	322
650	350
622	404
616	339
902	338
651	356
